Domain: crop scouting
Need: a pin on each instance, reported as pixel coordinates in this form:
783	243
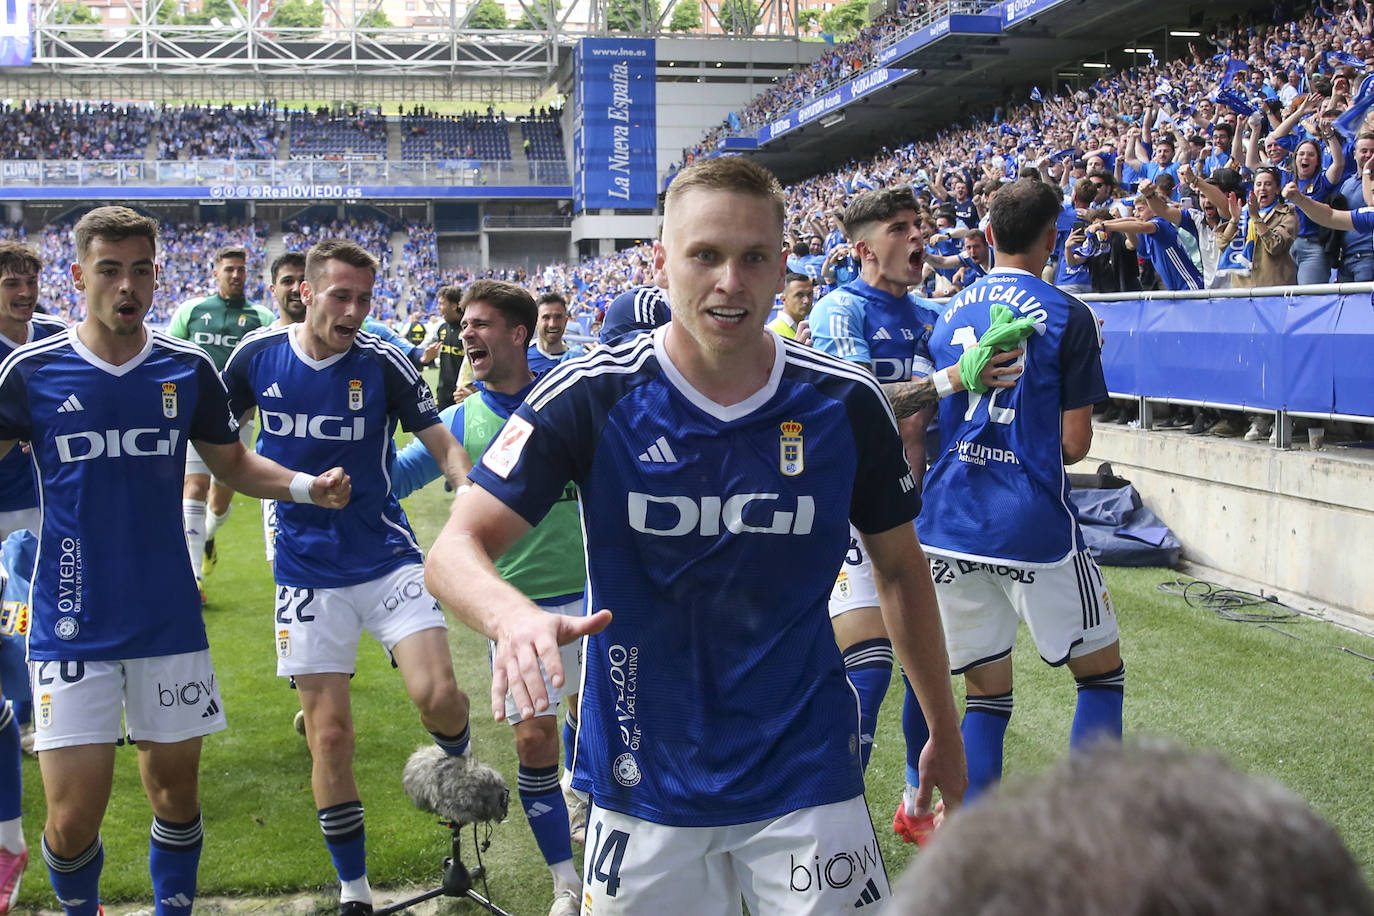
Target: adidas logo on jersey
70	405
659	453
882	334
210	710
273	391
871	894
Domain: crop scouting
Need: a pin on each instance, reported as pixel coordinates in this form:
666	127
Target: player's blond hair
734	174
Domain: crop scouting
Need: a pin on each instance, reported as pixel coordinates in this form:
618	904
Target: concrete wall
1298	521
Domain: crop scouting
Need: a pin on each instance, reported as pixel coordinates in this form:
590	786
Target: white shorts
317	629
196	464
1066	608
19	519
854	586
269	528
166	699
571	654
815	860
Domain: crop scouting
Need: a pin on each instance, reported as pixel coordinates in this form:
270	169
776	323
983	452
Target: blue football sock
984	728
569	738
173	860
546	811
11	775
343	834
454	745
915	731
869	666
76	881
1098	714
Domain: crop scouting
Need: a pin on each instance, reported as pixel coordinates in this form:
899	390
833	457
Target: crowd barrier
1292	351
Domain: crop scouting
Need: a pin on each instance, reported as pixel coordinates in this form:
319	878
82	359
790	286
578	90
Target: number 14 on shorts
606	857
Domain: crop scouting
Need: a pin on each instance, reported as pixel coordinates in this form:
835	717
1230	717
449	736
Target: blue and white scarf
1238	258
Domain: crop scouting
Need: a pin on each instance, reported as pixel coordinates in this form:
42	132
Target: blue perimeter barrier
1302	350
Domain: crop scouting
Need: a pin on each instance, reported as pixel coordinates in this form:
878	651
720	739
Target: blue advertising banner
615	131
287	192
1301	353
1018	11
957	24
16	34
854	89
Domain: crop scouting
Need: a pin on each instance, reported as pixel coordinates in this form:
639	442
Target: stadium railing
1286	351
68	173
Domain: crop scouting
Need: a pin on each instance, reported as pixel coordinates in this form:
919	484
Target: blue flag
1035	94
1342	59
1233	66
1348	124
1236	102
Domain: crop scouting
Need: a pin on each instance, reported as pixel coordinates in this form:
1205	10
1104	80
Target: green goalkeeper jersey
216	325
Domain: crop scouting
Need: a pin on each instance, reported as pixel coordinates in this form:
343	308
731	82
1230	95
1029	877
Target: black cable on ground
1229	603
1243	606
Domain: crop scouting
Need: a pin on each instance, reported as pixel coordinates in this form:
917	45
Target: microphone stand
456	882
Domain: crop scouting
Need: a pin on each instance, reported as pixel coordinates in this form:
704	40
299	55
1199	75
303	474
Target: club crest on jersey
66	628
169	400
243	320
355	394
283	643
790	449
44	718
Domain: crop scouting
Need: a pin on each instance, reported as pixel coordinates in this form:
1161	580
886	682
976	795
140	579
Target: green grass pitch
1296	710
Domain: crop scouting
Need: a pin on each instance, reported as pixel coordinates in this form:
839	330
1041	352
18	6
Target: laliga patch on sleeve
502	456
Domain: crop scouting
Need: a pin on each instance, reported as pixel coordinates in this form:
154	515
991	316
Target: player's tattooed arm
911	396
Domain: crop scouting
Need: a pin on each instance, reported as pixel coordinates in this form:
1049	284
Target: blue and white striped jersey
863	324
316	414
717	695
998	491
17	488
113	579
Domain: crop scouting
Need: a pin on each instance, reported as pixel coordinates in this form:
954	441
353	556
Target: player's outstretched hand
332	489
527	640
943	766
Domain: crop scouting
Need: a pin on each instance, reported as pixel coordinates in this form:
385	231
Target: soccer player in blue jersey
1003	538
718	467
873	321
546	565
20	324
108	409
330	392
548	348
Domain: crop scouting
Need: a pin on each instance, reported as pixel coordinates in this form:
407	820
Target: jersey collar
123	369
705	404
307	358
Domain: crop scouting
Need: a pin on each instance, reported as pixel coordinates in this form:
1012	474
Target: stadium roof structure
946	68
440	50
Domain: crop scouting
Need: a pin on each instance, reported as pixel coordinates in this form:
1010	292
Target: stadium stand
465	136
74	130
223	132
322	134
